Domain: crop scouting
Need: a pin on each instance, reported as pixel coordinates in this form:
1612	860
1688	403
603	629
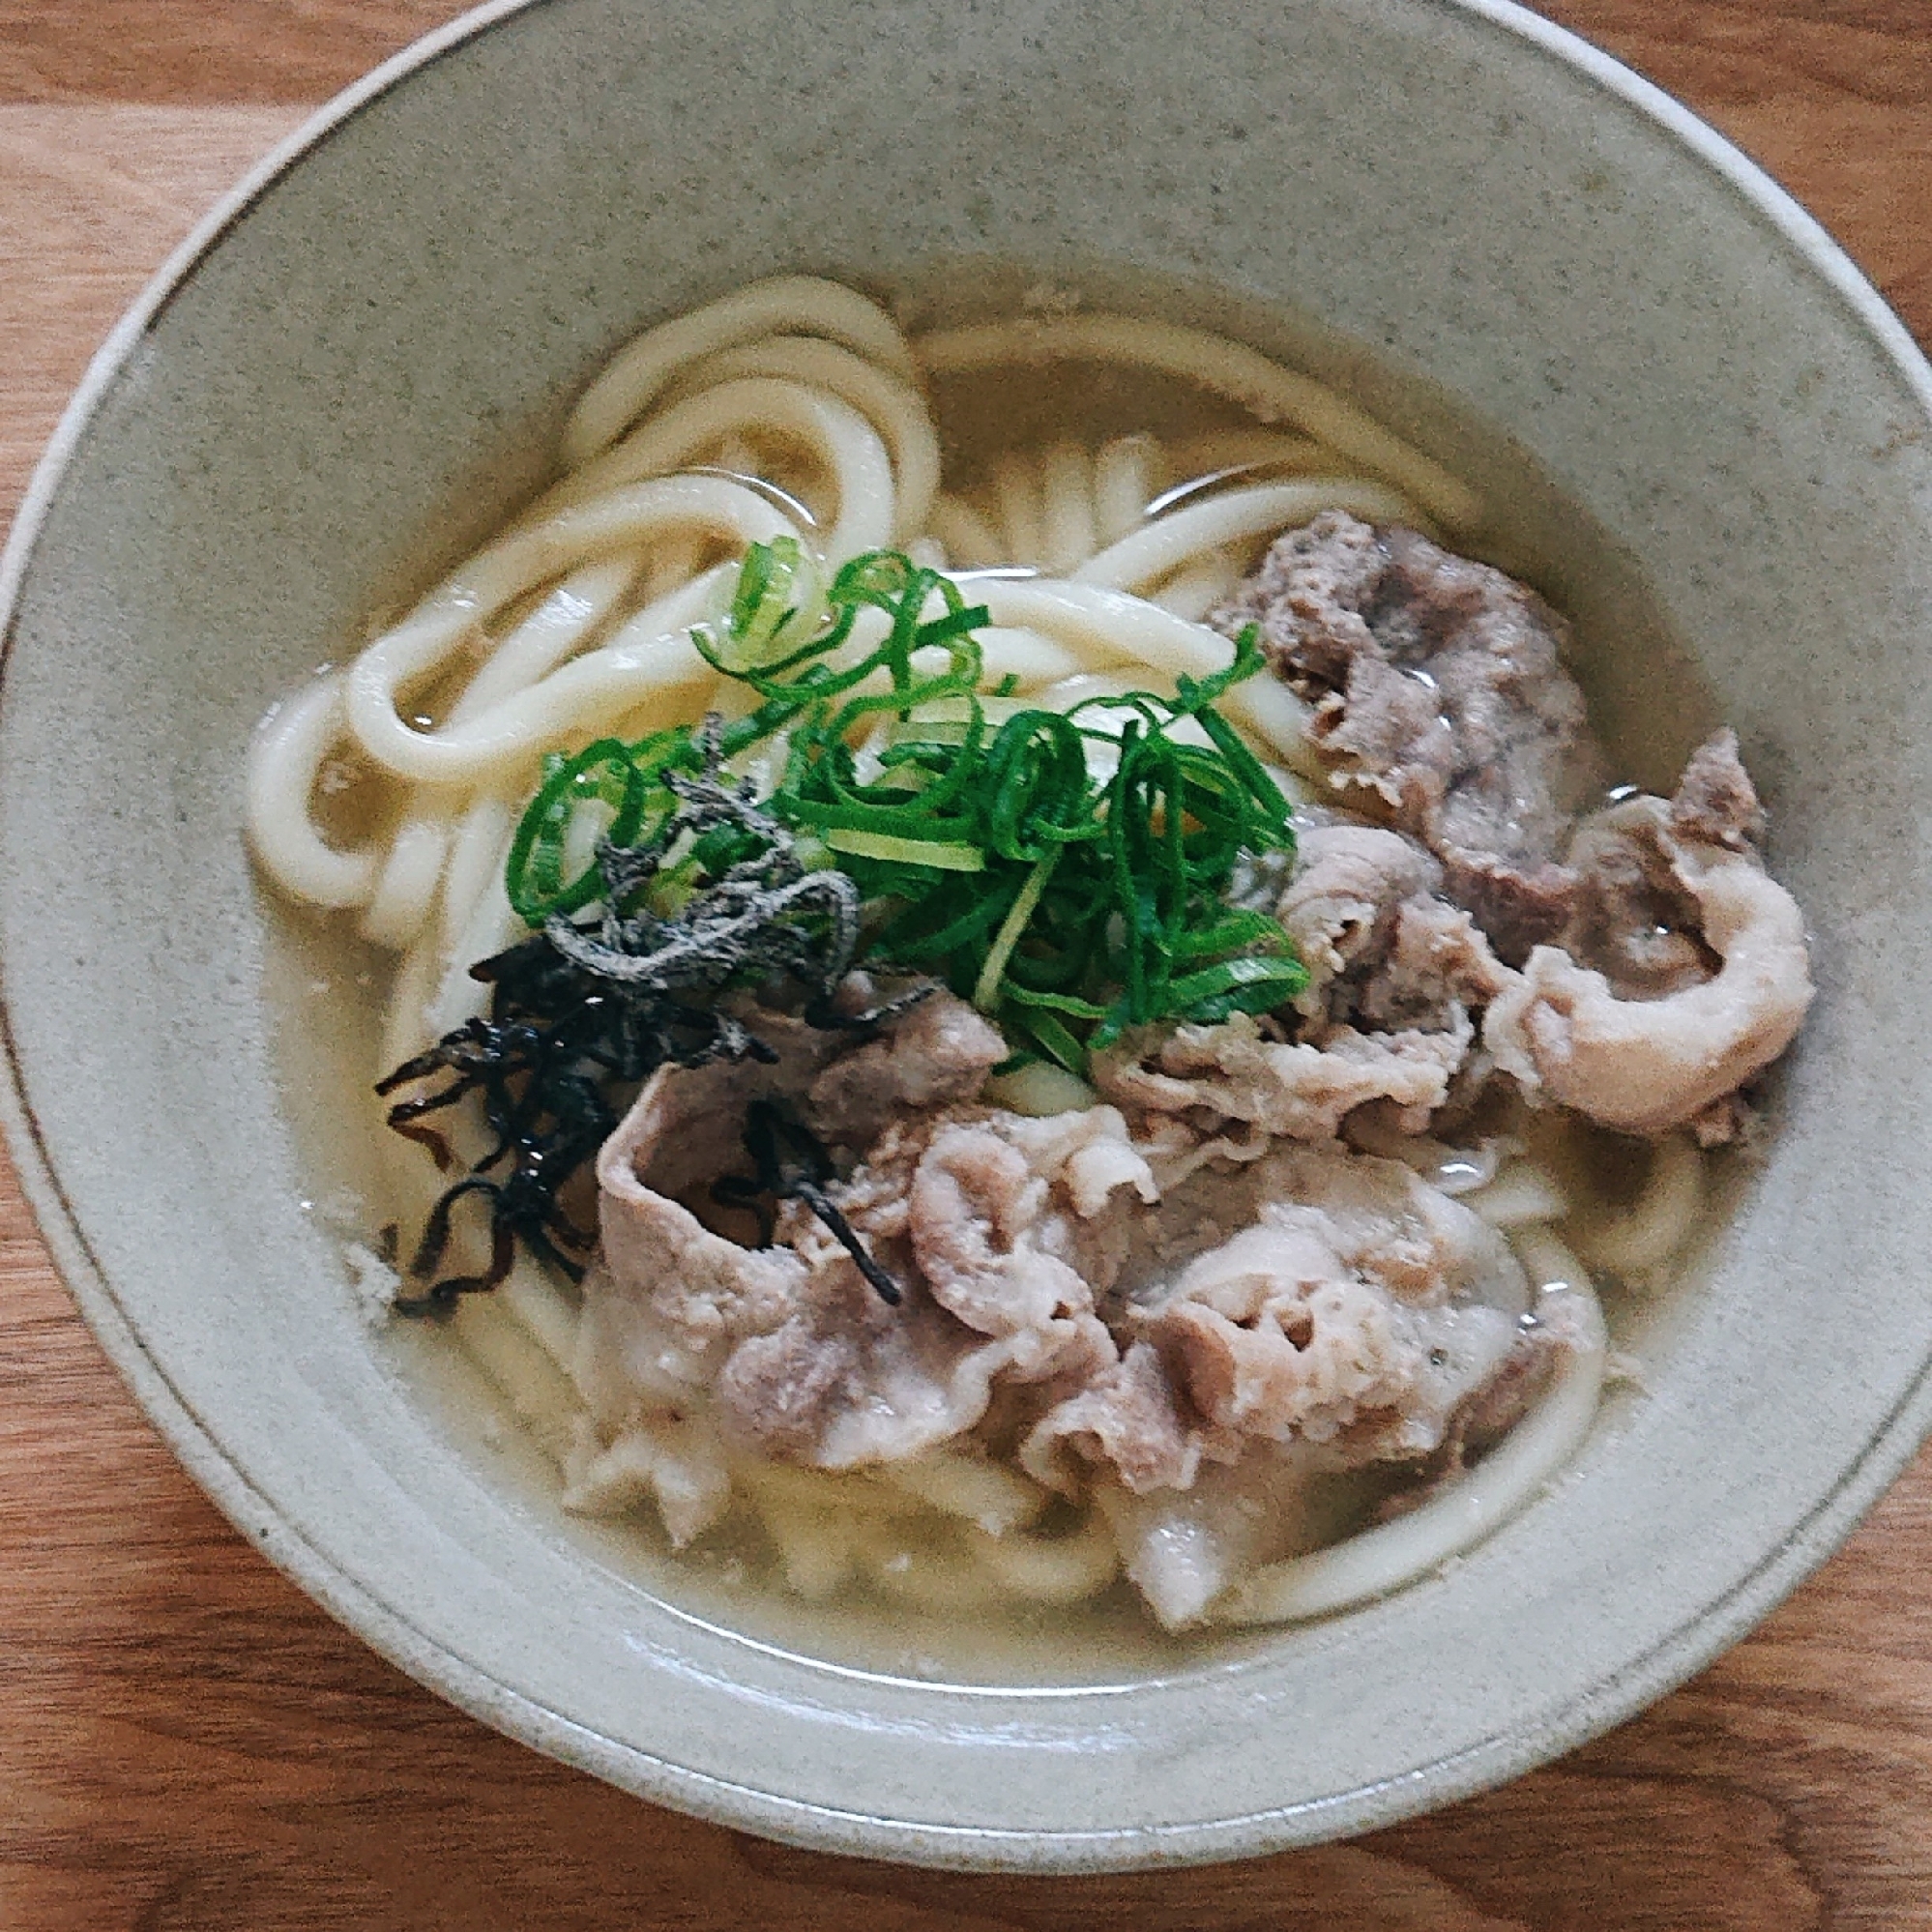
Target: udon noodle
388	792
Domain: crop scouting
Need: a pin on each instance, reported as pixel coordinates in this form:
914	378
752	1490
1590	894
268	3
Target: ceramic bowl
355	365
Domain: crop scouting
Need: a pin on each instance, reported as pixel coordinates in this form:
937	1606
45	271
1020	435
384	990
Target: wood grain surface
186	1744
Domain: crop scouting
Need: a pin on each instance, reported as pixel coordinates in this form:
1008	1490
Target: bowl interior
1446	208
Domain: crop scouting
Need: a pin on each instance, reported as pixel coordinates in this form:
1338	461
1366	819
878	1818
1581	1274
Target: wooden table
188	1743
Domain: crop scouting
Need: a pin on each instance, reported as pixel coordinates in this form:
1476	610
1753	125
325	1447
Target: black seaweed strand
791	1164
714	898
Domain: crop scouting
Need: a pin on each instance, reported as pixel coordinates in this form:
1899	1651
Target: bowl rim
1697	1639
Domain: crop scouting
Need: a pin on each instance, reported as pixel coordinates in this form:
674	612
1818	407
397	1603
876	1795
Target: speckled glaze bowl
371	339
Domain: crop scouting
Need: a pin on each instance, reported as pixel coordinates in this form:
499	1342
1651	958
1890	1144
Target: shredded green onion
858	844
1070	903
986	988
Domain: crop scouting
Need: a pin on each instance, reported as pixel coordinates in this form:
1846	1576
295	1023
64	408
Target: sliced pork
1438	689
1344	1315
1234	1071
1646	1065
937	1052
1715	803
1384	949
1137	1327
797	1355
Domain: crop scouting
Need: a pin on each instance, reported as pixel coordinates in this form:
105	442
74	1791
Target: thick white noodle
970	541
987	1494
547	1315
906	1561
1270	393
405	1034
493	927
474	920
1377	1561
1104	626
405	889
789	305
1191	593
817	1550
1126	473
1241	516
893	406
566	616
841	442
824	1527
646	654
1109	628
476	862
795	360
285	762
1022	516
1659	1223
1066	507
1050	1570
539	1394
1521	1194
1015	651
405	892
464	856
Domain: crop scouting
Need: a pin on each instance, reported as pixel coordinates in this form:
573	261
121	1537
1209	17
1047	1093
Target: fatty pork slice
1684	972
1394	973
979	1216
668	1299
997	1230
934	1054
1351	1314
1356	1311
1634	919
1303	1090
1382	947
674	1296
1312	1296
1546	1343
1437	686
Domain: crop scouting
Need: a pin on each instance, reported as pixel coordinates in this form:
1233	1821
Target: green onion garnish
1070	904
